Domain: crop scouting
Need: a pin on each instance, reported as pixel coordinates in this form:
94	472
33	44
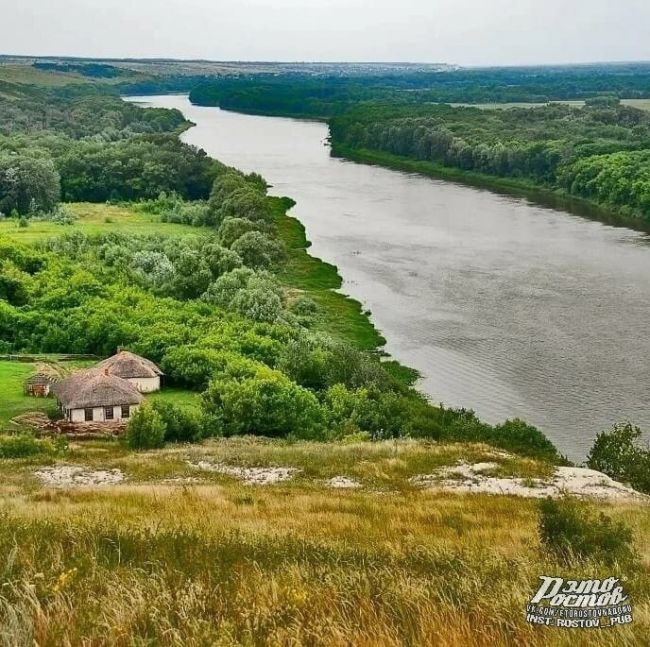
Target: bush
266	403
257	250
181	425
24	445
513	435
146	429
618	454
572	531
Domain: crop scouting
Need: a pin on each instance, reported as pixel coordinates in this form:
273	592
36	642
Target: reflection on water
505	307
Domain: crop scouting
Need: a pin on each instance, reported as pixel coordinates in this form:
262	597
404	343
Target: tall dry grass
222	563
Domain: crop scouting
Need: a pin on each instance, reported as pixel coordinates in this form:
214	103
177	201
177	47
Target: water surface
506	307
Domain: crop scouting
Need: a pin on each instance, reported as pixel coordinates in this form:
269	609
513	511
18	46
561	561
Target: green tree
146	429
267	403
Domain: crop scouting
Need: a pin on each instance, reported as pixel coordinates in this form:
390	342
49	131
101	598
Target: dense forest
208	305
596	151
328	95
95	147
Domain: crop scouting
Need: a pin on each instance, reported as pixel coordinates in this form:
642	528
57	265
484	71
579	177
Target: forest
594	149
598	152
327	95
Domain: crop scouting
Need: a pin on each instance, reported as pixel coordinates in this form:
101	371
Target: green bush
24	445
266	403
618	454
513	435
146	429
572	531
181	425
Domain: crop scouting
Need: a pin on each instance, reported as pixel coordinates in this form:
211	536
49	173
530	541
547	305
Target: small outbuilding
96	396
140	372
39	385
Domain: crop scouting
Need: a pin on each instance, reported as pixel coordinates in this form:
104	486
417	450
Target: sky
464	32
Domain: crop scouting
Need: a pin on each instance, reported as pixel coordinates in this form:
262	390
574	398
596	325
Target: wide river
505	307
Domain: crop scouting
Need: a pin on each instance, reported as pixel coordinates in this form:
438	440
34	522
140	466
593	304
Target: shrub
24	445
146	429
266	403
231	229
513	435
181	425
257	250
618	454
571	530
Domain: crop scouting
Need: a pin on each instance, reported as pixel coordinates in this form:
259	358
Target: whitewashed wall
146	384
78	415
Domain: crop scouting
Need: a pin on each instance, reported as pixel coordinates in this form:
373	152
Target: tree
146	429
619	454
28	183
267	403
258	250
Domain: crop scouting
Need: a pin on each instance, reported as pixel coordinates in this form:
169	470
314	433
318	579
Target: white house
141	372
96	396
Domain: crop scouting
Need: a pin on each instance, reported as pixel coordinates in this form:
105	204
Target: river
504	306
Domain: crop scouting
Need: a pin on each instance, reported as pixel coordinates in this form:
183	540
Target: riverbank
338	314
516	187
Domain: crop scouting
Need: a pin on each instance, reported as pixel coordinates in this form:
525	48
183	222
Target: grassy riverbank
337	314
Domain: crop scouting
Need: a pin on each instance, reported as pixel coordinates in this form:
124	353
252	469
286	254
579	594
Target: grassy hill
175	554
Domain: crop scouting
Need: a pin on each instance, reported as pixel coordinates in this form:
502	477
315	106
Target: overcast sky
466	32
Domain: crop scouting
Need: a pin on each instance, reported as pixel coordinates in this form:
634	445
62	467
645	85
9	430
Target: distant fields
25	74
640	104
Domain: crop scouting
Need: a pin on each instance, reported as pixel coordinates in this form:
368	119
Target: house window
126	411
108	413
88	415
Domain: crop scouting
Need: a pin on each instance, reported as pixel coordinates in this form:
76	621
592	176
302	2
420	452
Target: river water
505	307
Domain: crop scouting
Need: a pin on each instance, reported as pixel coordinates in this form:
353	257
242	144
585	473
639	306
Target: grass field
94	219
640	104
179	397
165	559
28	75
13	400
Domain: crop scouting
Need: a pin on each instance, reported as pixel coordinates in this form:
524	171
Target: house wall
146	384
79	415
38	390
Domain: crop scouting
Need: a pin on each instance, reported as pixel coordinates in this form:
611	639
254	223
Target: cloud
468	32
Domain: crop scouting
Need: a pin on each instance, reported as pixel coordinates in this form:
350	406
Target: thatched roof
95	388
129	365
42	378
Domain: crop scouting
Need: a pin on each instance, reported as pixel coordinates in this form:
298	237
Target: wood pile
75	431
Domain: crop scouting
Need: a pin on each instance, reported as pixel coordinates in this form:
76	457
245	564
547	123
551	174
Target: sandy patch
577	481
75	476
183	480
343	483
250	475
